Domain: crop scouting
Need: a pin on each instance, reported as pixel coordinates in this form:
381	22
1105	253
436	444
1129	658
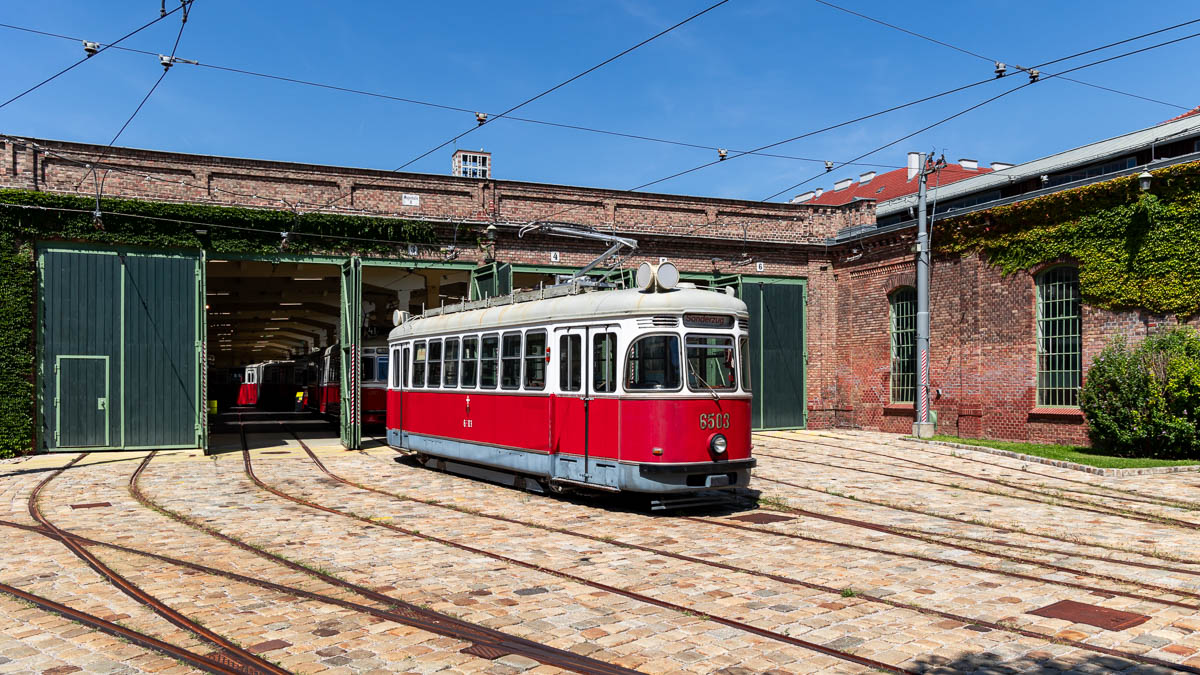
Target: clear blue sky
748	73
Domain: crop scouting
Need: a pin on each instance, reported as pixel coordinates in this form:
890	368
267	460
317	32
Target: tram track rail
202	661
1128	513
245	661
399	611
824	588
1005	528
632	595
1050	500
1126	494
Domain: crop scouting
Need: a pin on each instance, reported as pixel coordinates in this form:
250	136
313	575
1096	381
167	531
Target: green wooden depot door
120	338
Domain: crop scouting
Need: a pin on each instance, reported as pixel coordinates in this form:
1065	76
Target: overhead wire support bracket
616	243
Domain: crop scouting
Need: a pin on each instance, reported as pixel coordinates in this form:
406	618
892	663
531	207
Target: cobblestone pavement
923	557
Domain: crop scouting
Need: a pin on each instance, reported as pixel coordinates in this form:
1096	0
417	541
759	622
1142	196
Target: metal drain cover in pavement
489	652
1093	615
762	518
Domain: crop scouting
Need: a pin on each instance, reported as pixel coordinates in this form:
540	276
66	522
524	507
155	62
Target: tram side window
381	367
744	355
489	365
604	363
435	363
367	373
710	363
470	363
570	367
653	363
396	382
535	360
418	366
450	369
510	361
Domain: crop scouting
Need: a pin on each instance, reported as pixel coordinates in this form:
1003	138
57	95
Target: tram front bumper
688	477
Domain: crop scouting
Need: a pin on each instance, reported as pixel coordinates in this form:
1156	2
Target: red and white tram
322	393
620	390
248	390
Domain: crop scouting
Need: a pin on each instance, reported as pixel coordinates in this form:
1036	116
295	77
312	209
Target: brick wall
983	357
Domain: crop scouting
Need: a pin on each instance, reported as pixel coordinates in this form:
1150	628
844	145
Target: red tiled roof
891	185
1193	111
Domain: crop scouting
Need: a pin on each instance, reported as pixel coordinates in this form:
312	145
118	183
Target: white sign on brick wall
554	256
759	267
410	200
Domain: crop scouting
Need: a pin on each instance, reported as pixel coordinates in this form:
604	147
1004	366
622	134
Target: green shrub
1145	401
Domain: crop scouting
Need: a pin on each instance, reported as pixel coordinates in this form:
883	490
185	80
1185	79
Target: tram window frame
507	359
470	364
395	382
744	361
570	362
450	363
688	346
629	359
419	353
489	365
535	361
366	373
605	374
434	368
381	366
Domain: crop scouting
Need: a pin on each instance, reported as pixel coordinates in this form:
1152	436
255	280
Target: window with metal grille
903	330
1058	338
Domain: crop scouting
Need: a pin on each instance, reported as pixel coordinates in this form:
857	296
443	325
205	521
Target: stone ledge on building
1095	470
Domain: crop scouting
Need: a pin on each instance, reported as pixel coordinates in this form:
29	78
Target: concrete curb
1111	473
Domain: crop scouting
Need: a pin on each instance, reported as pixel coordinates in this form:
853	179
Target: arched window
903	331
1058	338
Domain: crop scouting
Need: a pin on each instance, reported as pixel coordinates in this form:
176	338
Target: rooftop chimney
843	184
1000	166
914	164
801	198
969	164
866	178
817	192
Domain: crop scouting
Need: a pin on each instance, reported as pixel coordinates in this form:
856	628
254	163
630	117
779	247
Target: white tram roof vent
657	278
658	322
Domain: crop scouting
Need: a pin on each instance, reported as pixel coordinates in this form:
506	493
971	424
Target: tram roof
509	311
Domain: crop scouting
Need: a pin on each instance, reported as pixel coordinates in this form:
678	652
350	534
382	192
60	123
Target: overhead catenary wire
904	105
185	6
546	92
430	104
994	60
73	65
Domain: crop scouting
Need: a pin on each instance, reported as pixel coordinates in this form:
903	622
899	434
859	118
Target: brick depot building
829	285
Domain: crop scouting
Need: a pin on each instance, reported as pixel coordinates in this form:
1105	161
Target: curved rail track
1126	494
1049	500
1114	510
210	663
732	623
404	612
244	661
824	588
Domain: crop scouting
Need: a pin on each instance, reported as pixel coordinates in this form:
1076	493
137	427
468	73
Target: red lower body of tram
654	445
247	394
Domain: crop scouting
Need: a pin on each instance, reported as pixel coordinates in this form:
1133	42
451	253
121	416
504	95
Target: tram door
585	424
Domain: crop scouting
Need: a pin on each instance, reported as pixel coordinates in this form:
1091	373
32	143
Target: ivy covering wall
1134	249
21	228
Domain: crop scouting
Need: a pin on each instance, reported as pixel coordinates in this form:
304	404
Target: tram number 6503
714	420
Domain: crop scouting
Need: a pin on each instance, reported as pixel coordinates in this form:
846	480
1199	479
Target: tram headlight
718	444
